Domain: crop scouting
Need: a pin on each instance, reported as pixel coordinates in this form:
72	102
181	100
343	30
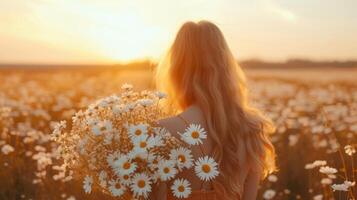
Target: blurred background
57	56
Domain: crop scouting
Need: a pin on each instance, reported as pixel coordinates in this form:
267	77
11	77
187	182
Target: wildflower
269	194
328	170
194	134
125	180
318	163
309	166
145	102
141	185
183	157
272	178
102	127
206	168
293	140
87	184
340	187
143	143
115	188
123	165
350	150
166	169
6	149
137	130
113	157
181	188
349	183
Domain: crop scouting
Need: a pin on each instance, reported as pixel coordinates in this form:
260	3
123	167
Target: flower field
315	139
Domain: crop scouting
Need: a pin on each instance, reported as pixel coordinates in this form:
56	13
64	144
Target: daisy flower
140	185
143	143
183	157
181	188
167	169
206	168
125	180
157	140
123	165
137	130
153	161
115	188
87	184
194	134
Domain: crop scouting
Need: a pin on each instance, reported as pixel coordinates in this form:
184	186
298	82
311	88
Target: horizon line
155	61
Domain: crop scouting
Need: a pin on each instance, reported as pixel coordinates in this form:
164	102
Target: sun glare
107	34
126	37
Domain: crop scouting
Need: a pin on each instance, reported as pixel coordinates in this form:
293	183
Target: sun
126	36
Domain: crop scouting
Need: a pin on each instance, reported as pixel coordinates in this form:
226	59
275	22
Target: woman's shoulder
172	124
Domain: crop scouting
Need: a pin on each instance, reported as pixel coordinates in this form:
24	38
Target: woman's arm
251	184
158	192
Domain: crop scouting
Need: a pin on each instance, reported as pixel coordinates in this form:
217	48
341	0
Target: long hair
200	69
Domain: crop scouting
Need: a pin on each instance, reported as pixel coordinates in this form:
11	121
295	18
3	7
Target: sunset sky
109	31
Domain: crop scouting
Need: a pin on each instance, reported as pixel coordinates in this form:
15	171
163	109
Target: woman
207	87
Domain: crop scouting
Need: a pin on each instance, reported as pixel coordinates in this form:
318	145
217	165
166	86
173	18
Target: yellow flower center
166	170
126	165
143	144
141	184
138	132
195	134
181	188
117	185
126	177
206	168
182	158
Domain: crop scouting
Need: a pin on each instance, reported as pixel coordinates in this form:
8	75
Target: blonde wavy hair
200	69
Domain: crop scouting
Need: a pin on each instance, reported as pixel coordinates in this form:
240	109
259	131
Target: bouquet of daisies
116	146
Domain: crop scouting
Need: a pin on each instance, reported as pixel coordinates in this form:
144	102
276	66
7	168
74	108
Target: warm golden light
109	31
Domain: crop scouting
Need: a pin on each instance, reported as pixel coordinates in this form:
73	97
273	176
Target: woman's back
178	124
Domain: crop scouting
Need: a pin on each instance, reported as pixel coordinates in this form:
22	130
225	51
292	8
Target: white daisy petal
123	165
167	169
137	130
181	188
206	168
183	157
141	185
116	188
87	184
194	134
